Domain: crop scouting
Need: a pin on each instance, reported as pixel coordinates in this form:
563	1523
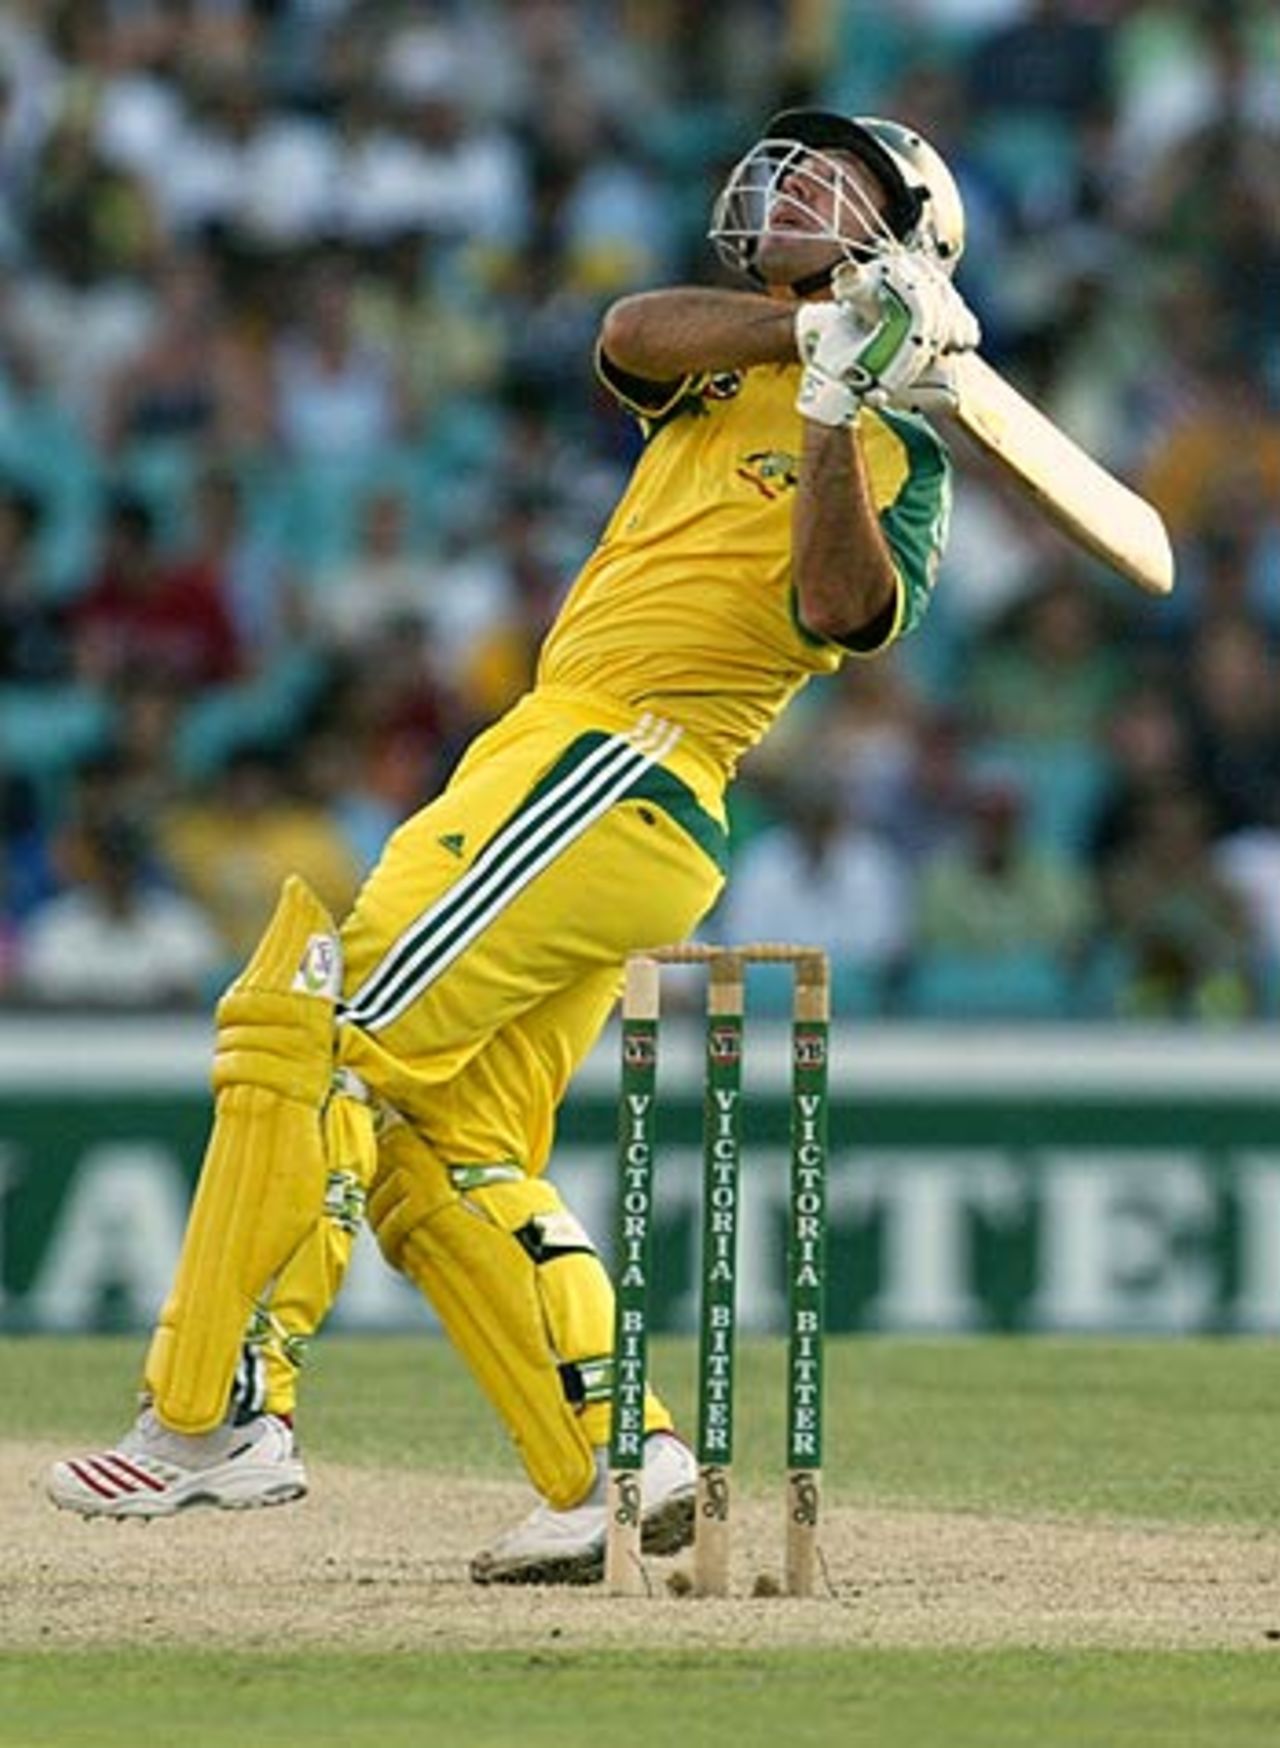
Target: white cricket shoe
154	1472
567	1547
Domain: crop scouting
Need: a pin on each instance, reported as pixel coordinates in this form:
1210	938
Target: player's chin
782	259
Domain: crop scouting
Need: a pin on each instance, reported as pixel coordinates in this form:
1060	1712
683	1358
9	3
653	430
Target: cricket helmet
923	207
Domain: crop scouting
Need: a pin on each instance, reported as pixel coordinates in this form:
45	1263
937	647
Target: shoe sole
666	1530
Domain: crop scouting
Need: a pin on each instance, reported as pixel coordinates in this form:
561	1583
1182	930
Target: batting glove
933	391
829	339
916	316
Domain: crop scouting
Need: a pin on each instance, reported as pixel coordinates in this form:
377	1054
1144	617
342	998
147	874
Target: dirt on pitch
378	1560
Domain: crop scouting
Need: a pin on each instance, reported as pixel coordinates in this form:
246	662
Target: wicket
717	1315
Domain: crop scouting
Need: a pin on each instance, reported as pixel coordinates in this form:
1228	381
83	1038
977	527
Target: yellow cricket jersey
686	607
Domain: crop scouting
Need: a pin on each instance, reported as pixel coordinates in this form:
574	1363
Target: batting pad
265	1166
300	1298
576	1296
520	1293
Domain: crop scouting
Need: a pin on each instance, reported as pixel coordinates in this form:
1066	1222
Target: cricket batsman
406	1068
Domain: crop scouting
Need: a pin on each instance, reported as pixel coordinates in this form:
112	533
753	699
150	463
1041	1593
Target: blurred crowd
300	446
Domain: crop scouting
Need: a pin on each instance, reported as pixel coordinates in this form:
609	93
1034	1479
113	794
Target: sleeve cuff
647	400
884	629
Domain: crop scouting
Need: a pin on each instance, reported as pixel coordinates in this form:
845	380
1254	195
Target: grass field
734	1700
1159	1434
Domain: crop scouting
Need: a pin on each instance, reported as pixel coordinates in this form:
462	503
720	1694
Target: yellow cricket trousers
485	951
481	961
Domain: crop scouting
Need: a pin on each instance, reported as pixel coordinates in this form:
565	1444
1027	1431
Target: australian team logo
771	471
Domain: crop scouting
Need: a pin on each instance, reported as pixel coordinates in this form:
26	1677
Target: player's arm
666	336
846	585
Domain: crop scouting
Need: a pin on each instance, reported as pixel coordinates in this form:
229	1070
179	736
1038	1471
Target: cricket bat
1076	493
1090	505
